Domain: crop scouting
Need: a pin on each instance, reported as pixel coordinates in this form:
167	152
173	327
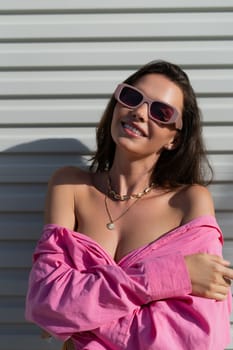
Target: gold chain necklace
136	196
125	197
110	225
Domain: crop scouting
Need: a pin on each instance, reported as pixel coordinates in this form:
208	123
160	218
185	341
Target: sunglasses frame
175	119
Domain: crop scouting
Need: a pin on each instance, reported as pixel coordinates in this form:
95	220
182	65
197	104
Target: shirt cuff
168	277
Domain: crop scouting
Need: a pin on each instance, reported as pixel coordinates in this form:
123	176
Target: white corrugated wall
59	62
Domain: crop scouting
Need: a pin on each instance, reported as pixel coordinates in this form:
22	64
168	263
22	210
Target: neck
130	178
124	197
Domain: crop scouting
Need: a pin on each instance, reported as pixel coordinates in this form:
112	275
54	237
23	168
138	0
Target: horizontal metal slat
35	169
216	110
19	329
222	166
12	310
100	83
21	226
13	5
133	25
55	111
13	282
29	341
223	196
20	251
89	111
225	221
82	140
102	54
218	138
22	198
57	140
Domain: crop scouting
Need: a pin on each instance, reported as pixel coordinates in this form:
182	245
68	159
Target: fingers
223	266
218	296
222	275
220	260
228	273
227	280
223	271
217	292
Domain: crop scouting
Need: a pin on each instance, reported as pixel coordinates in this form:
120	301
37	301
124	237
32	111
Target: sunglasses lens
161	111
130	97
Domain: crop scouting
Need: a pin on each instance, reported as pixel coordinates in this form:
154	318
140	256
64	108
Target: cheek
160	134
118	111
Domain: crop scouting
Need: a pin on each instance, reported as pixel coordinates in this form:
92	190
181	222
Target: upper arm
59	206
198	202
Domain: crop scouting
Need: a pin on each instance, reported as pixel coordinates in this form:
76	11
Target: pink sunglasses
159	111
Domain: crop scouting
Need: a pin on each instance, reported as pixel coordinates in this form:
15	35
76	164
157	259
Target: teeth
135	130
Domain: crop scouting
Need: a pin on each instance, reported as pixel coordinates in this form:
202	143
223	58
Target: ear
173	143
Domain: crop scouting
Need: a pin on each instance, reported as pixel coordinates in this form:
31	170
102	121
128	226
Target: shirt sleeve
65	300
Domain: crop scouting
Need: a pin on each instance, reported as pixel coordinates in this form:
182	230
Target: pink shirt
142	302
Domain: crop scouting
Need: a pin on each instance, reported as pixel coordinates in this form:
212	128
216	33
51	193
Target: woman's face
134	131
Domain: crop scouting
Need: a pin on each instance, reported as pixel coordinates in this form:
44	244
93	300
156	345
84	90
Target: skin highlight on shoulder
198	202
67	175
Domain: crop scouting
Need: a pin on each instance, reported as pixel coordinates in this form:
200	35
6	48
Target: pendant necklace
111	193
110	225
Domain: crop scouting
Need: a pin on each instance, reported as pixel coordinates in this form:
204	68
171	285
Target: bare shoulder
68	175
197	201
59	206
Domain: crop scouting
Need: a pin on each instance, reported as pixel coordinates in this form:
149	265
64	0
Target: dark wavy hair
186	164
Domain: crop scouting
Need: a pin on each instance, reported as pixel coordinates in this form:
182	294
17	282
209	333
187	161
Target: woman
130	256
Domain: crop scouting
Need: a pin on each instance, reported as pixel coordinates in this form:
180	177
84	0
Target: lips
134	129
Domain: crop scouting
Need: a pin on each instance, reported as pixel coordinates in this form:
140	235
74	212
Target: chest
135	223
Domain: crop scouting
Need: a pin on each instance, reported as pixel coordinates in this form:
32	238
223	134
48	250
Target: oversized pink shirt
142	302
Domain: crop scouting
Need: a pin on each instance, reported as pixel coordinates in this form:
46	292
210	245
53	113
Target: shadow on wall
26	169
24	172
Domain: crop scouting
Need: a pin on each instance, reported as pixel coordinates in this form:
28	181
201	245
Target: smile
133	129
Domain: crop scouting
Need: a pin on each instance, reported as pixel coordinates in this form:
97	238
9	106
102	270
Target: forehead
161	87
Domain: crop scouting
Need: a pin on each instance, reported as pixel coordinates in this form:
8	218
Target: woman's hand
210	275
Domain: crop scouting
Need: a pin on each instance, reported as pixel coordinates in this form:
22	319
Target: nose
141	112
